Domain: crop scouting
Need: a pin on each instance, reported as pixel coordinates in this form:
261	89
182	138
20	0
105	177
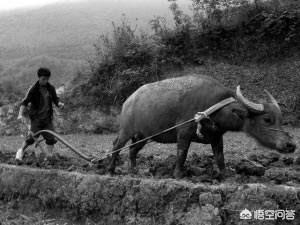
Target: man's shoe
19	155
49	150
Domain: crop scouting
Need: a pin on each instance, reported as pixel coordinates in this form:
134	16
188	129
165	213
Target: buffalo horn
250	105
273	100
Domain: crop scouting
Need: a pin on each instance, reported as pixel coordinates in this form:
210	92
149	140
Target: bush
9	92
237	32
124	61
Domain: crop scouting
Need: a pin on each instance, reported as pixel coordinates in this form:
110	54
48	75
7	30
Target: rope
152	136
97	159
92	159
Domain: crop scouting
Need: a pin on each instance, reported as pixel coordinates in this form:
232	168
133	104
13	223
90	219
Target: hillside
23	71
69	30
61	36
259	51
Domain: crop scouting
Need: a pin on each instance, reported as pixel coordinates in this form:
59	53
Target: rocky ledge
127	200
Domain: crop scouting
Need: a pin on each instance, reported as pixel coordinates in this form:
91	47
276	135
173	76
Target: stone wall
126	200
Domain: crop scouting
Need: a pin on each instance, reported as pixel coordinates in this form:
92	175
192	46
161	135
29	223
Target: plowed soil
246	162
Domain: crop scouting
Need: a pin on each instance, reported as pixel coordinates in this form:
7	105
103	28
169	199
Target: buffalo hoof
178	174
111	171
19	162
133	170
219	174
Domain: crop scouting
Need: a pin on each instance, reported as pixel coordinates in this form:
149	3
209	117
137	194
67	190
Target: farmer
39	98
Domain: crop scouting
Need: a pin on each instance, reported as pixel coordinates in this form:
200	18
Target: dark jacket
34	97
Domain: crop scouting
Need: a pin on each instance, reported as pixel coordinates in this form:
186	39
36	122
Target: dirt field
157	161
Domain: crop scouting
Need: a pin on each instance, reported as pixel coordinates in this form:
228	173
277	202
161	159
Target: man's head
43	75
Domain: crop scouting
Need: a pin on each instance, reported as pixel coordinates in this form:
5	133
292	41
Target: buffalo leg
217	147
183	144
133	151
118	143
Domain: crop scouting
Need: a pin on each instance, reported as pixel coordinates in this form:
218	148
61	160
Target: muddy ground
246	162
263	168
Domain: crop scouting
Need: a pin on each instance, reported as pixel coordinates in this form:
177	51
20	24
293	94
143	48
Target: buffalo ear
240	114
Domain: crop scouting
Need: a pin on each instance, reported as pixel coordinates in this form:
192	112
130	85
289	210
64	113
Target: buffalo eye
267	120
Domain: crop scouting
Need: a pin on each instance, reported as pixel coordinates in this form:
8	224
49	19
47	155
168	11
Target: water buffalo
160	105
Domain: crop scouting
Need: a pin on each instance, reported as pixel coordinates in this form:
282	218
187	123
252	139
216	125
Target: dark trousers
37	125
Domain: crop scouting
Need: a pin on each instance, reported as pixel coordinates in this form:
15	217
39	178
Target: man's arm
56	99
27	99
21	112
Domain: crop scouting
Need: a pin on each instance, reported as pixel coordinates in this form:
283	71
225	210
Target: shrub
124	61
9	92
232	31
236	32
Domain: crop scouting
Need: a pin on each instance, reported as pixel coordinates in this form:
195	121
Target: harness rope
93	159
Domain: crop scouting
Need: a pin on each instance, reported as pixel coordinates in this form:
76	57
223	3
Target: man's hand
61	105
23	119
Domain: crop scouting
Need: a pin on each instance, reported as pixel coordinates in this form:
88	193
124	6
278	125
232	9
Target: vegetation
240	32
236	34
67	29
9	93
255	45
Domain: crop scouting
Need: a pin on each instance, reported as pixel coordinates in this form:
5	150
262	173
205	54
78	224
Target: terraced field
247	162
